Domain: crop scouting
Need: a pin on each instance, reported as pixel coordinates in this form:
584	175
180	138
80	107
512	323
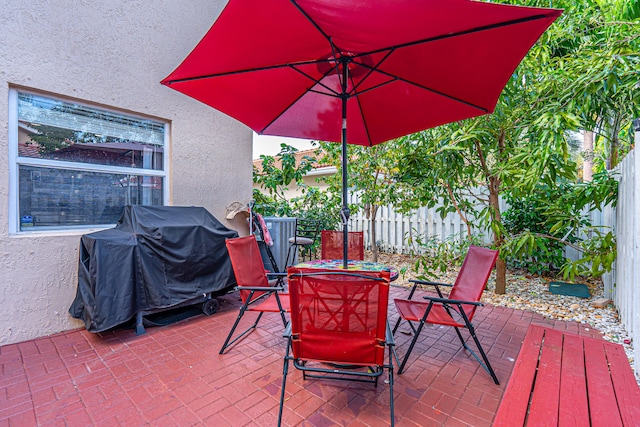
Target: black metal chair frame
453	308
257	294
340	372
267	248
251	301
305	229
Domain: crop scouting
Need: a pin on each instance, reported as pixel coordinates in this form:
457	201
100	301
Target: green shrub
525	214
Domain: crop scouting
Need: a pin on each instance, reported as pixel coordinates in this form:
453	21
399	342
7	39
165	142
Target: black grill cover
156	257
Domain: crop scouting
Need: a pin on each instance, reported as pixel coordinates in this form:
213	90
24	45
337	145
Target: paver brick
174	376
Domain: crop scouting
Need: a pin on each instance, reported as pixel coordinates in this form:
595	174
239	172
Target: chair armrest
436	285
451	301
278	277
426	282
260	288
269	273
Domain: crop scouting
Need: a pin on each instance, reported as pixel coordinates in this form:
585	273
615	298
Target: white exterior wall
112	54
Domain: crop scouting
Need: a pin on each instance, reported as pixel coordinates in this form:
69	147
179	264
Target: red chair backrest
473	276
247	264
332	244
339	316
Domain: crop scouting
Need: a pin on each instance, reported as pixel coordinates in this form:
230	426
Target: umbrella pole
345	207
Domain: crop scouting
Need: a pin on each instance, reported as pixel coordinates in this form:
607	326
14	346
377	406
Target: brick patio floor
174	376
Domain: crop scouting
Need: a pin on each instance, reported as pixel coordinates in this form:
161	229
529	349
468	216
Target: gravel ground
531	292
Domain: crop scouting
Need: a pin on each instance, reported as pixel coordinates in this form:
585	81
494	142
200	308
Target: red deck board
602	399
564	379
546	390
624	384
513	409
574	407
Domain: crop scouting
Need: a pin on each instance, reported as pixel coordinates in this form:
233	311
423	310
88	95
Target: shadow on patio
174	376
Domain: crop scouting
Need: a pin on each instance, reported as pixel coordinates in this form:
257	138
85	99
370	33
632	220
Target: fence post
633	302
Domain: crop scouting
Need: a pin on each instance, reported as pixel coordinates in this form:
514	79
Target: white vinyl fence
622	285
393	229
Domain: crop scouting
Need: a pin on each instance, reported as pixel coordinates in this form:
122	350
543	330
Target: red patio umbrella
301	68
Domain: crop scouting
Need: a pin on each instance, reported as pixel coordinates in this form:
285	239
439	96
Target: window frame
15	161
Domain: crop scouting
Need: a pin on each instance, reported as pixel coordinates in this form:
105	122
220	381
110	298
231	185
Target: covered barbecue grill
155	259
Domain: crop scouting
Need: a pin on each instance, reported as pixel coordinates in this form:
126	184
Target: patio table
337	264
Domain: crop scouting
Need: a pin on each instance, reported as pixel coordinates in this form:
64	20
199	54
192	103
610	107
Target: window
77	166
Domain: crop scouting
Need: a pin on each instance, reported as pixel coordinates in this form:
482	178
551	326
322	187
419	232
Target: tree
276	174
371	174
523	146
477	160
595	57
279	173
50	139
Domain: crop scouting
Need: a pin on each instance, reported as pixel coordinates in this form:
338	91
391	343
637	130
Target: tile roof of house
28	150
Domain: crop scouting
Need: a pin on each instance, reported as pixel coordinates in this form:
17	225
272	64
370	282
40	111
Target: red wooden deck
563	379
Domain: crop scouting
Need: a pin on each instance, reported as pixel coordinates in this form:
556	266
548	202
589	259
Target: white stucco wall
111	53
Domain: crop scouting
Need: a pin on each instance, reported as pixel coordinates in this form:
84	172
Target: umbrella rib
281	113
320	30
317	81
397	78
460	33
293	103
394	78
371	70
364	123
334	49
358	93
388	49
246	70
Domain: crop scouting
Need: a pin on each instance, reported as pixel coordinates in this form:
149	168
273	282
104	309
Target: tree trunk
498	239
501	276
494	206
461	214
587	150
614	154
372	226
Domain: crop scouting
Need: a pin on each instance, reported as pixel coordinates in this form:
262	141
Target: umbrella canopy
359	72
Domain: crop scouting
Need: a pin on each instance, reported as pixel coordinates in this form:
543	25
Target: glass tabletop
338	264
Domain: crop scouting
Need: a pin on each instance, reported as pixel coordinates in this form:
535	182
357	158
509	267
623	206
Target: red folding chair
338	327
458	309
257	292
332	242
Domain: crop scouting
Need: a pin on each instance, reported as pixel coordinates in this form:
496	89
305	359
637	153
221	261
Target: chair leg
486	365
413	343
285	371
395	328
284	319
227	342
485	360
391	411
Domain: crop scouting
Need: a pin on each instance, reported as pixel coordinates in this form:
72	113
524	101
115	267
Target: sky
270	145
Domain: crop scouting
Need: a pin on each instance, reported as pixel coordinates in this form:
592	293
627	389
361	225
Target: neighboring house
88	129
312	179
